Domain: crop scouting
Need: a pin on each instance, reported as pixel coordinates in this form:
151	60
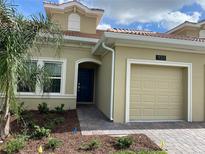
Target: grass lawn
61	135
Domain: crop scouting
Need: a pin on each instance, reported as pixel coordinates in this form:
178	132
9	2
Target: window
74	22
28	83
53	83
54	71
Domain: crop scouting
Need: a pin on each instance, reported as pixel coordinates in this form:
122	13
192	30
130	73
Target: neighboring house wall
104	84
190	32
87	24
198	68
72	55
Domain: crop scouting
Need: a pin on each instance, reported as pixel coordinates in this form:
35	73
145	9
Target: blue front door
85	85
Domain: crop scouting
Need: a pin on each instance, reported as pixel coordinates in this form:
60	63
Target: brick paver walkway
179	137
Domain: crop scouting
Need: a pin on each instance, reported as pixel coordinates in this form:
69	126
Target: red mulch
72	142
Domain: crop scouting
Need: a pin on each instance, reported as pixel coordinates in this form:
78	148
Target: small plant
43	108
40	132
17	109
50	125
54	122
59	120
15	144
30	124
59	109
93	144
53	143
124	142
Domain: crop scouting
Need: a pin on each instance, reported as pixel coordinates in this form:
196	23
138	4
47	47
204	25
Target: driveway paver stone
179	137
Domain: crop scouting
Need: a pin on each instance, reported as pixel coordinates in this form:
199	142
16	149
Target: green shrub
124	142
15	144
43	108
54	122
53	143
93	144
59	109
40	132
50	125
59	120
30	124
17	109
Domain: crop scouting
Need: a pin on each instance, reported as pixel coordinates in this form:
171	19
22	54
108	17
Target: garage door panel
139	112
156	93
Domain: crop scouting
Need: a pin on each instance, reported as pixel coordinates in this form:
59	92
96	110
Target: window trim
39	88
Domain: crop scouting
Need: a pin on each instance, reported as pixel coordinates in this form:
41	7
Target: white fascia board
69	4
81	39
185	44
74	38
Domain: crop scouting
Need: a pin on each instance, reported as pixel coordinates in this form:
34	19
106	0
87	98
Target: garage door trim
159	63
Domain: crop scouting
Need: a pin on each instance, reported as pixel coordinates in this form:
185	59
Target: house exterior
129	75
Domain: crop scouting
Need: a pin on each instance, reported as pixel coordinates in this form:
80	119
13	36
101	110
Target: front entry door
85	85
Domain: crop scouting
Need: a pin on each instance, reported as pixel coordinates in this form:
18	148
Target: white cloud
175	18
142	27
162	12
104	26
202	3
61	1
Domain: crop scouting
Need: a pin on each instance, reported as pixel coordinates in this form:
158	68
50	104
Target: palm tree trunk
5	117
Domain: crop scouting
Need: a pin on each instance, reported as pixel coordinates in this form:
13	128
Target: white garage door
157	93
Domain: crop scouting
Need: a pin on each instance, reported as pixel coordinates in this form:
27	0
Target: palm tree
17	36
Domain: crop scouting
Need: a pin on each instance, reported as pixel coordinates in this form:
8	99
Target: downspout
112	79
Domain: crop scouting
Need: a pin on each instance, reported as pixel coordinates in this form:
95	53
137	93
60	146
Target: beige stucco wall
187	32
87	24
104	85
124	53
71	54
32	103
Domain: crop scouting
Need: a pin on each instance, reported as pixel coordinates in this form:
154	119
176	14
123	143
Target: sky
151	15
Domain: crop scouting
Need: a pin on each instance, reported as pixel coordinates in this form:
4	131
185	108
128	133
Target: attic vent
74	22
202	34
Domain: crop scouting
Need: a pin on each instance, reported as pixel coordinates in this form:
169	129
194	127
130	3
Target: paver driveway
179	137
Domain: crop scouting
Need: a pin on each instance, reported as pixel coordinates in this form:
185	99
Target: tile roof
154	34
98	34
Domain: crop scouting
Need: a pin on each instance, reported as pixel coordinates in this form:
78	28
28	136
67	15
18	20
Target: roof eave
69	4
184	25
153	42
80	39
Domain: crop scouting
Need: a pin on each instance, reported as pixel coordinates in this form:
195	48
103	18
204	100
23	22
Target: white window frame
61	78
39	88
74	22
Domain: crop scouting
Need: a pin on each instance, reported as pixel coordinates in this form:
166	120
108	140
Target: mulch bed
71	141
